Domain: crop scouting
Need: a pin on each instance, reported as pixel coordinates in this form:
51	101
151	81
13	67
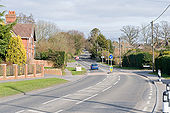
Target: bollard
165	102
159	75
168	90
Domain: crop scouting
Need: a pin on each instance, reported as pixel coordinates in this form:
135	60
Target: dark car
94	66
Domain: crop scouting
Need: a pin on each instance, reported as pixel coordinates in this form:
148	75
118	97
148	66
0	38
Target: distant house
27	33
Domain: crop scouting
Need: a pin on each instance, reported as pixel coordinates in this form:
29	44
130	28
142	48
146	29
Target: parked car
76	58
94	66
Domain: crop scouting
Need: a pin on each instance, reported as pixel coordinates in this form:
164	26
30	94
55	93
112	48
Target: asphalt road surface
98	92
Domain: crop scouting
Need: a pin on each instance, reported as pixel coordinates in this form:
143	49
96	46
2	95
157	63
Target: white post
165	107
159	75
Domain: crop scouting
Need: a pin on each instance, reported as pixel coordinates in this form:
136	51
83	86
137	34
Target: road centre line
87	99
149	97
148	102
51	100
106	89
59	111
20	111
34	111
145	108
150	94
116	82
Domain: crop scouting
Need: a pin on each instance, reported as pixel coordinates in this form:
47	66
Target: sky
83	15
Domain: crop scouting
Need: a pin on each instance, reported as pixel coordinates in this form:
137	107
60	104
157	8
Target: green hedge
163	63
137	60
58	57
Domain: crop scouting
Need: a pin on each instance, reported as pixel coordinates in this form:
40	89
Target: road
98	92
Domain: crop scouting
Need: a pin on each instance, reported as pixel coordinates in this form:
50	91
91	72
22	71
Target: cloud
83	15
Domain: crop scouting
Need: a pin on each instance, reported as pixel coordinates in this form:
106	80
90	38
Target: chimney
10	17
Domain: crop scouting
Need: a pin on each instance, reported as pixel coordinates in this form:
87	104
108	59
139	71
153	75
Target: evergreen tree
16	52
5	35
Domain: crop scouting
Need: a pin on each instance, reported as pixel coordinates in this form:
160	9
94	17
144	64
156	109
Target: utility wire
155	19
162	13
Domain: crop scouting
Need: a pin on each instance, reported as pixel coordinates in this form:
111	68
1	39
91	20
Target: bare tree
45	29
157	34
145	33
24	19
130	34
165	31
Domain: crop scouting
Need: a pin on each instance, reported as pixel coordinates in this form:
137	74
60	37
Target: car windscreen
94	65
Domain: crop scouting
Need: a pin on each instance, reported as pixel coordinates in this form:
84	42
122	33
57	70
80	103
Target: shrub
163	63
16	52
44	55
58	57
137	60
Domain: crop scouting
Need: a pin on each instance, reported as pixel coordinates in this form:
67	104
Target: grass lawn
163	75
12	88
49	68
72	60
74	72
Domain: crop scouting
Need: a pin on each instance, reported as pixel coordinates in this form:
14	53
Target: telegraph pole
153	59
108	54
120	63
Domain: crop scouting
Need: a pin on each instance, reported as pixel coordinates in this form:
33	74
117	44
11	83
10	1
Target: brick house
27	33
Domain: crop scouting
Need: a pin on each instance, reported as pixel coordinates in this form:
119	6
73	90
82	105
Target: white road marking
85	94
86	99
51	100
150	94
20	111
119	78
34	111
115	83
106	89
149	97
66	95
59	111
99	83
145	109
148	102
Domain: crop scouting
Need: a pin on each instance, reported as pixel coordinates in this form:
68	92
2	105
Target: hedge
137	60
58	57
163	63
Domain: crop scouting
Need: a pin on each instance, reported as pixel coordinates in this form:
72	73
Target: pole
153	59
102	56
108	54
120	63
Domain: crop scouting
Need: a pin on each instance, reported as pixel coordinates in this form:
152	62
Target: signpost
102	58
111	67
111	57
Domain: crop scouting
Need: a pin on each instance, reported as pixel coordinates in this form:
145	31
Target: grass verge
72	60
74	72
49	68
163	75
12	88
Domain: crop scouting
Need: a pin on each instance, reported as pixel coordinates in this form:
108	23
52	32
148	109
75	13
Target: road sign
102	56
111	56
111	68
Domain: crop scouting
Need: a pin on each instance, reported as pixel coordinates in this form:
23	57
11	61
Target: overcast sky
84	15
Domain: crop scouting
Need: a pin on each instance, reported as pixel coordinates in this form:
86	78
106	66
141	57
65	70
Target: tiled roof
24	30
